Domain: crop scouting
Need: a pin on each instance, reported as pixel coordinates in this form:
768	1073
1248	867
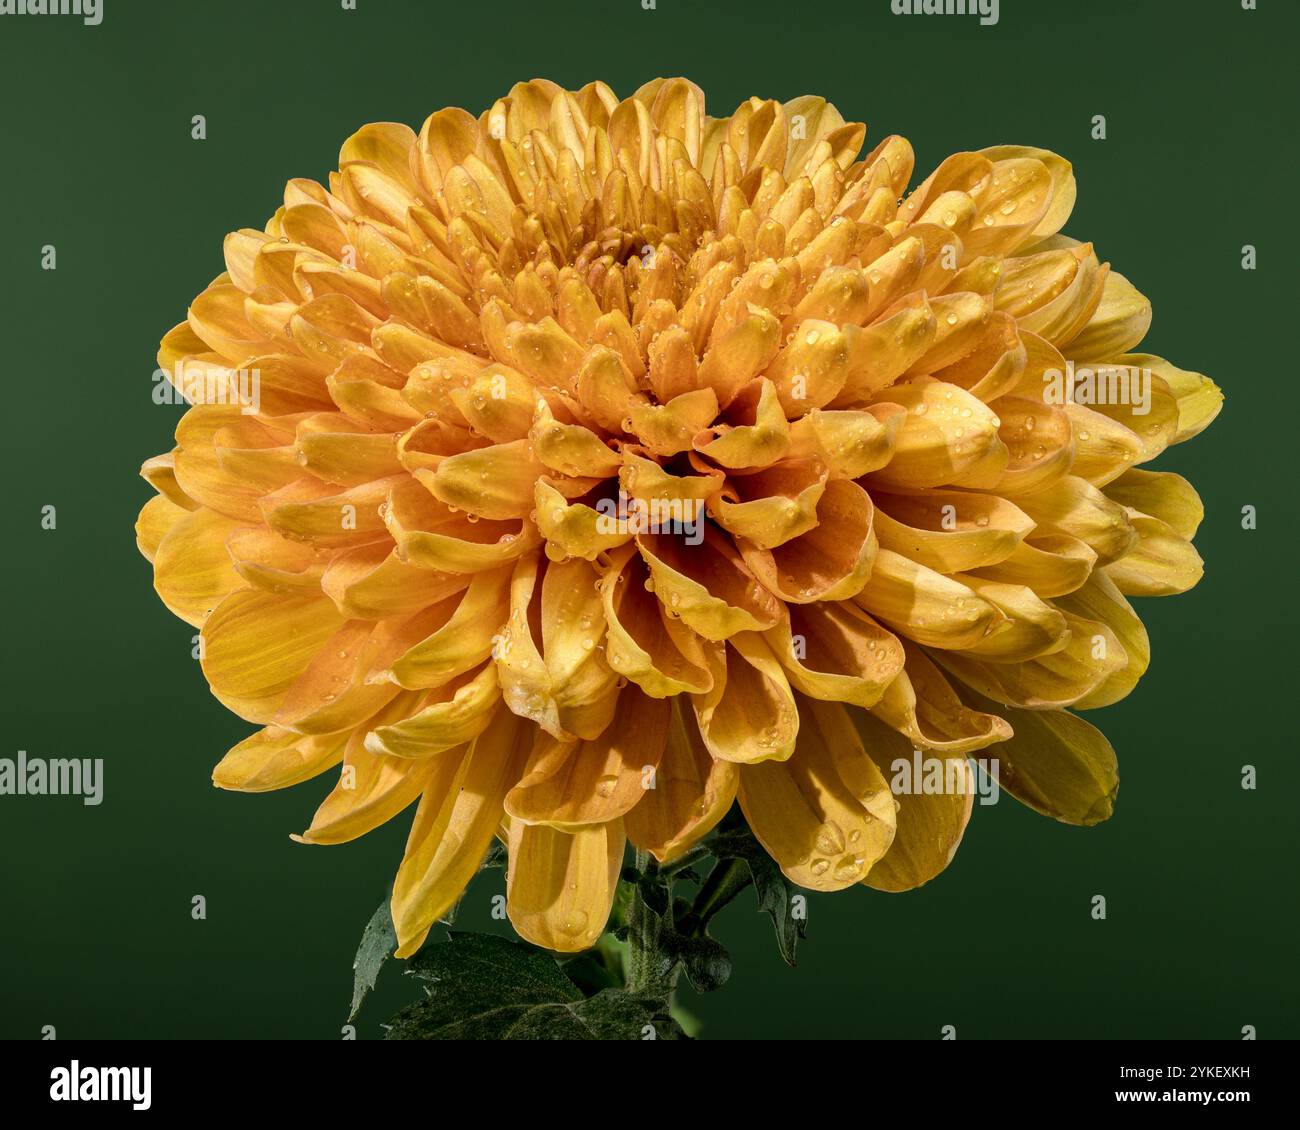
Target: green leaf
378	941
775	892
483	987
704	960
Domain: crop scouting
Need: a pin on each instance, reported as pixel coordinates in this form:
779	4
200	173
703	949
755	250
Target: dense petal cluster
609	462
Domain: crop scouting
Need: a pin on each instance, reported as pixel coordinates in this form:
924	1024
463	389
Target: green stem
724	883
648	971
682	862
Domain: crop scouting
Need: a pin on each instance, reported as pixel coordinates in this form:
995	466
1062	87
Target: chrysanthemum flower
426	549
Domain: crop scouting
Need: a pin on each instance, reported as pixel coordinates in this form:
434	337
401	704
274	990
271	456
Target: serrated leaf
378	941
379	938
775	892
483	987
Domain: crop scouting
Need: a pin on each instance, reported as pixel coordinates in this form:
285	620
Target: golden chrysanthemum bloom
486	353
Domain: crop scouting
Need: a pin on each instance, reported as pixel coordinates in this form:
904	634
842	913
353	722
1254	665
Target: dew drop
829	839
849	867
574	922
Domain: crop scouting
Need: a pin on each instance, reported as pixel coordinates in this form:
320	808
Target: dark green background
97	157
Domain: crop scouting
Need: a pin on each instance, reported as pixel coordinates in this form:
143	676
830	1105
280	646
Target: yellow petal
156	519
560	885
372	583
741	355
812	369
1056	763
572	619
1120	323
832	561
771	506
882	352
371	790
1048	564
319	513
749	714
1039	443
930	823
268	561
1013	206
922	705
1100	600
450	715
332	693
1199	398
160	473
707	585
667	429
256	644
1074	507
1160	564
454	825
1033	626
493	482
760	441
1091	655
574	529
569	449
826	815
192	570
1064	189
1160	494
849	444
602	779
499	403
661	655
950	531
834	651
275	758
925	606
198	470
946	433
692	791
470	623
431	536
